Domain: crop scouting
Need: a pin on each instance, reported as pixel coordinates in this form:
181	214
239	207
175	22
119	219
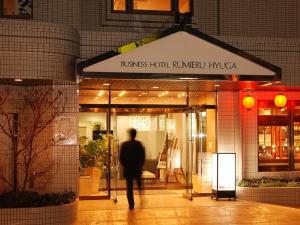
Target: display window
278	136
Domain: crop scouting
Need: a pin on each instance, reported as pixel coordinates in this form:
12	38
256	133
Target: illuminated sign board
178	53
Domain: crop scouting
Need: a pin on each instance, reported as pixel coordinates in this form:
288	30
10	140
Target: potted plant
94	160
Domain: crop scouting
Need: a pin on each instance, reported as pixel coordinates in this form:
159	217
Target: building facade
42	48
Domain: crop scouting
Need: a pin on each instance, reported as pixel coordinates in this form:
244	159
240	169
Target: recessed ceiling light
155	87
100	93
122	93
188	78
18	80
217	85
106	84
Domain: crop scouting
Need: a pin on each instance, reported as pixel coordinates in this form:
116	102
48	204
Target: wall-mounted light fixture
280	100
248	102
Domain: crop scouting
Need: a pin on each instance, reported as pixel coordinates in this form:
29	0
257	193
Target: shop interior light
106	84
18	80
280	100
248	102
155	87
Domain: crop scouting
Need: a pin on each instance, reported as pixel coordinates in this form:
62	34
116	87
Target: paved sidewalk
172	209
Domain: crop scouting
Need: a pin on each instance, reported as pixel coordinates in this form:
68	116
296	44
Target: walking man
132	158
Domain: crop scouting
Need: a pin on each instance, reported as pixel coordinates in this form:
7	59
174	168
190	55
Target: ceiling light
106	84
18	80
188	78
155	87
267	84
100	93
122	93
217	85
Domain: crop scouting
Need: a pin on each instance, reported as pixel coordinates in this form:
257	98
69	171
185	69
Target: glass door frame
187	109
191	158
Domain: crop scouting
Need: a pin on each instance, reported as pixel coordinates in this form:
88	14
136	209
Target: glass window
155	5
93	154
93	97
119	5
184	6
273	148
267	108
17	8
297	145
297	109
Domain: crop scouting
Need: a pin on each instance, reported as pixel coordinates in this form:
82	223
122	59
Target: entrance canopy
179	54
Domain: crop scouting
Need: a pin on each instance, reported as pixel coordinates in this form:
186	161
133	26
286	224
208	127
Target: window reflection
273	147
17	8
119	5
184	6
267	108
156	5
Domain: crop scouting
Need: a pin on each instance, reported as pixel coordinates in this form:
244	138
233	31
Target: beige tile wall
63	176
36	50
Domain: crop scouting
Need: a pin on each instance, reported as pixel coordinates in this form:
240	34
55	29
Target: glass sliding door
188	155
115	148
94	149
179	140
201	144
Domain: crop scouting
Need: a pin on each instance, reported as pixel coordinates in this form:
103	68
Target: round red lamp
280	100
248	102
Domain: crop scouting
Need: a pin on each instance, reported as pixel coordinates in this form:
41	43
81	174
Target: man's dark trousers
129	182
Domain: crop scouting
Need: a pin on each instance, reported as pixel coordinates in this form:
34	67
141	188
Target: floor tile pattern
173	209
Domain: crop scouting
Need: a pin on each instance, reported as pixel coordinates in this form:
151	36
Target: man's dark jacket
132	158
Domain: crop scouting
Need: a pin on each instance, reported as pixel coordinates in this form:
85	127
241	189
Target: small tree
31	134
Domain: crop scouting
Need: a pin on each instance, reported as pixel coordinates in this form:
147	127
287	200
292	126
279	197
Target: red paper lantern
248	102
280	100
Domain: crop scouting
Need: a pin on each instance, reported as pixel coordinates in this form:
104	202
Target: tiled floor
172	209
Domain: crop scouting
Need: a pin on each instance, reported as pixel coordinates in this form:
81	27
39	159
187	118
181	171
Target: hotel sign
181	64
180	53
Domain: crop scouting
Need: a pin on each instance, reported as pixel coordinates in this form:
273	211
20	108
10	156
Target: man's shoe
131	207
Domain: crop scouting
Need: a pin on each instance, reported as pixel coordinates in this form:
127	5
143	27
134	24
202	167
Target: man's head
132	133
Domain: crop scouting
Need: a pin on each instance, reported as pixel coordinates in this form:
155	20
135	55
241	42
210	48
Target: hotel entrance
166	86
176	127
